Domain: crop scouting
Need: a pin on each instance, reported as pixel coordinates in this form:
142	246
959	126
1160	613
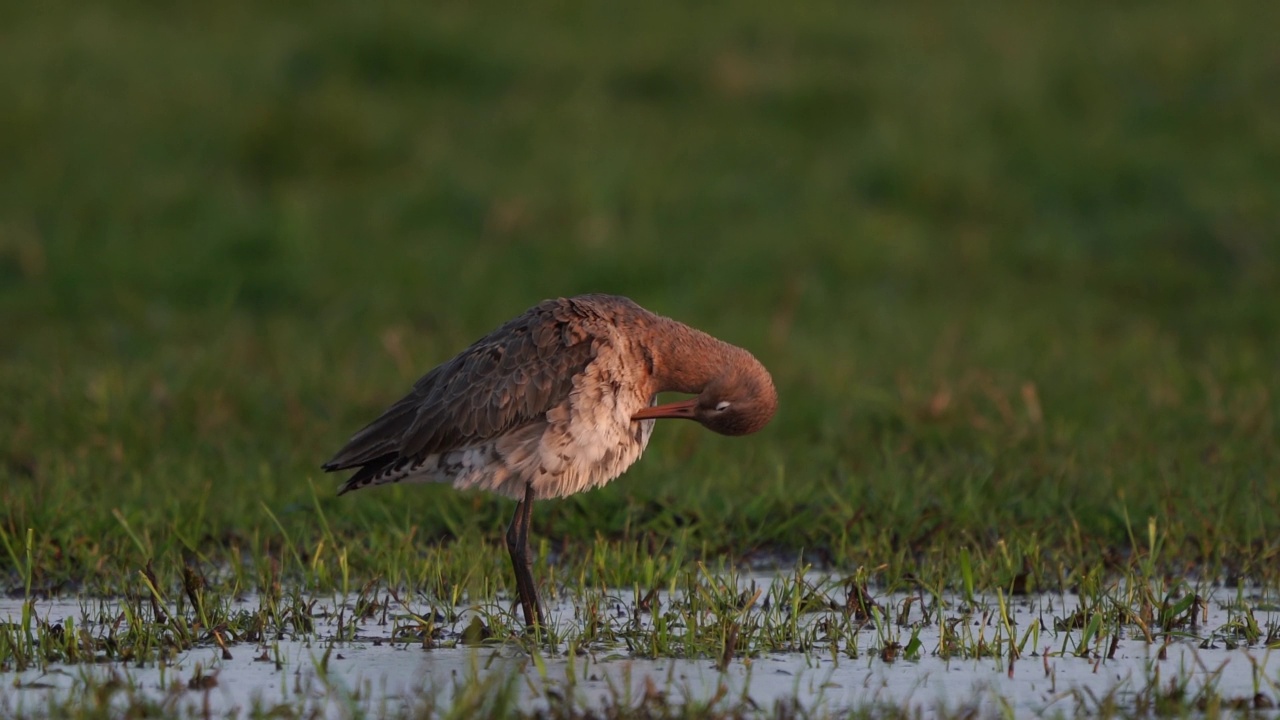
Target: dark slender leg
521	562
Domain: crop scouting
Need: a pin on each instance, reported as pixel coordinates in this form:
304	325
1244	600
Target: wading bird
559	400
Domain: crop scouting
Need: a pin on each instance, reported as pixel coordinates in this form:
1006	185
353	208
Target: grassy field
1014	267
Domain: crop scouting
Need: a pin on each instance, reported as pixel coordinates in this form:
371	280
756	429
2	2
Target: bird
560	399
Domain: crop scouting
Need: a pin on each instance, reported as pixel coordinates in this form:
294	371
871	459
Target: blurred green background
1014	265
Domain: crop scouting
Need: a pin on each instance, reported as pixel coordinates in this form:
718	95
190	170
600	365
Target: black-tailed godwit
554	402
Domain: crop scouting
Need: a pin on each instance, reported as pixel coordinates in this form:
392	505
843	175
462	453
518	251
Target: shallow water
378	674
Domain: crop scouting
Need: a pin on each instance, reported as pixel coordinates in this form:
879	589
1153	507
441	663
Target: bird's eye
722	406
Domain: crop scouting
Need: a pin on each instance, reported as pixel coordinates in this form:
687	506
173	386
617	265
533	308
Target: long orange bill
681	409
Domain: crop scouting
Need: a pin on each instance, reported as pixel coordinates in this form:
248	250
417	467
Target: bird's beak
681	409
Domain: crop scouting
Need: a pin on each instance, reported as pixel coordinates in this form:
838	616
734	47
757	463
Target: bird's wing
507	379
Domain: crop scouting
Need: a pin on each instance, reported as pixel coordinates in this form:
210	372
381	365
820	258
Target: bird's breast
591	439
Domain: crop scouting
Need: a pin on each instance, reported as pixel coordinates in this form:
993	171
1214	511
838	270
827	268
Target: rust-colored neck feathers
735	393
686	360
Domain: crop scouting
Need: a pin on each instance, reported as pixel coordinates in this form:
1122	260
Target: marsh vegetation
1013	267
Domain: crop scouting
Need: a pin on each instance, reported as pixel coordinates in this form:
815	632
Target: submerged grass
721	618
1013	269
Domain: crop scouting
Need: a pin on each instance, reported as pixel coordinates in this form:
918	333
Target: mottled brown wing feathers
505	380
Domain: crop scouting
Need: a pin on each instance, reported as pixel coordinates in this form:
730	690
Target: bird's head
738	401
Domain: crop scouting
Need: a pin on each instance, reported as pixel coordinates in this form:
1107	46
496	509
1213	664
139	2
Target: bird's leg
518	546
528	558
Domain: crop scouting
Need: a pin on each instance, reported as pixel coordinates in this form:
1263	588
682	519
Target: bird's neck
685	359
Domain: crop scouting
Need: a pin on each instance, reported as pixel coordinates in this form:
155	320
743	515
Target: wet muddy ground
375	666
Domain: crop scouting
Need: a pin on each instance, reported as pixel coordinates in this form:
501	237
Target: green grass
1014	269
